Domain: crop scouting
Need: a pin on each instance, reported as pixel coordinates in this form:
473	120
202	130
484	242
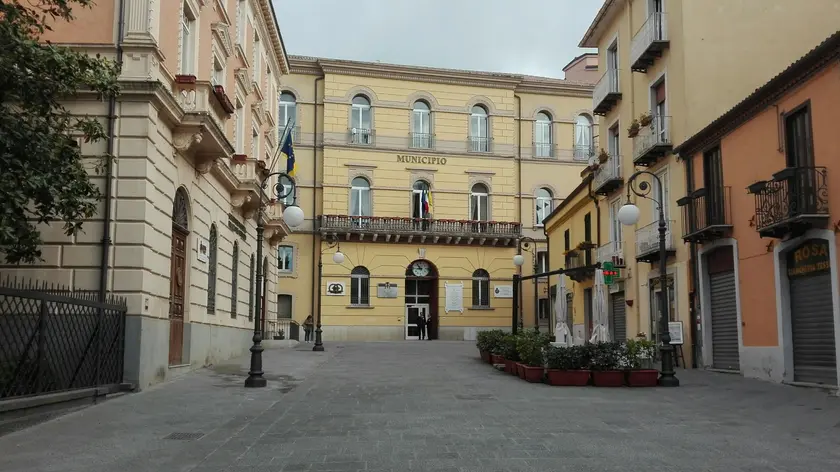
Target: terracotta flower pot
485	356
510	367
496	359
643	378
608	378
532	374
520	370
568	378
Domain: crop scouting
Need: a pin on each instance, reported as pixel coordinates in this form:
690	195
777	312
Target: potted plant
496	346
646	119
530	347
604	365
584	245
568	366
482	342
603	156
642	373
510	353
634	128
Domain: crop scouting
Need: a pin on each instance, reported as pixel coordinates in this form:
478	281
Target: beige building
672	66
194	128
492	154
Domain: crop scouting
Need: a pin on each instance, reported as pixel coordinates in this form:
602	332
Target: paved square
433	406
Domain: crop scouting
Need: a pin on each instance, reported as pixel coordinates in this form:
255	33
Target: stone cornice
270	18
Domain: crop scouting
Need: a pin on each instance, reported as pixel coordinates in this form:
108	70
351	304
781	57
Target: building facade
668	68
583	68
194	133
426	180
761	207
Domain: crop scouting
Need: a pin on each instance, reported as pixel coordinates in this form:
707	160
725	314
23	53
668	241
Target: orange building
762	208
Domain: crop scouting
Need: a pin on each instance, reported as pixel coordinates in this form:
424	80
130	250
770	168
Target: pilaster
142	21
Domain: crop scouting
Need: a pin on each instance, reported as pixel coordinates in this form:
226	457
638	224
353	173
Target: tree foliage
43	176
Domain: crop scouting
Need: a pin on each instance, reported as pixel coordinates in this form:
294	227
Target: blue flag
289	151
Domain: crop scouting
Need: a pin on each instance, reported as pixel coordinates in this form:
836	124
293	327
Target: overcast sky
535	37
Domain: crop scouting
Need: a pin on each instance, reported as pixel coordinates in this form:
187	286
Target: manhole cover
476	396
184	436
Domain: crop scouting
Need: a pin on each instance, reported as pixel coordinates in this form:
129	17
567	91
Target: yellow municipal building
428	181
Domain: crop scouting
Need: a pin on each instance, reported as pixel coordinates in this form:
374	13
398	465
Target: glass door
412	319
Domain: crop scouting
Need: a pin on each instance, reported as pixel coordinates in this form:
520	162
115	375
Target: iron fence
55	339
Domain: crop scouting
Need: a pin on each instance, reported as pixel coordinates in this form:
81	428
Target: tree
43	176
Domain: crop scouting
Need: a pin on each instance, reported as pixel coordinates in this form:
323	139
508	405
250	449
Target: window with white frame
255	141
218	77
360	121
257	58
239	131
360	286
583	138
479	203
544	204
287	115
664	178
481	288
360	197
479	133
613	146
616	235
542	135
188	35
421	114
542	263
285	258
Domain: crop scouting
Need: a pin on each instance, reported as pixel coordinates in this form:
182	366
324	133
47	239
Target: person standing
307	329
421	325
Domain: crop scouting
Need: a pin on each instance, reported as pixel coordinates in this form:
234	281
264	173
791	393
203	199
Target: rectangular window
255	142
566	240
478	207
542	263
713	184
285	258
544	309
218	72
240	130
798	139
612	67
360	290
257	57
187	41
242	21
613	147
616	235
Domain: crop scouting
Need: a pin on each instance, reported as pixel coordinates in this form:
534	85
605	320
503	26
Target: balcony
544	150
613	252
479	144
361	136
647	242
421	141
578	264
653	141
275	226
706	214
200	133
606	93
249	174
391	229
794	201
649	42
608	177
583	153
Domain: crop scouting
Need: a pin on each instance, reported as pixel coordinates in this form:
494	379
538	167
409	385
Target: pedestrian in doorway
308	324
421	325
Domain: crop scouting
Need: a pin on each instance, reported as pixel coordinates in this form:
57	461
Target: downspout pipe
548	279
109	165
597	214
693	267
316	244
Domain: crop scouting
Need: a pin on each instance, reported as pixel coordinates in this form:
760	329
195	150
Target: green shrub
490	340
607	356
530	346
508	343
568	358
641	353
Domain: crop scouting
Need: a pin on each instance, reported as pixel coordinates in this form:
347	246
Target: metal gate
812	326
724	307
618	317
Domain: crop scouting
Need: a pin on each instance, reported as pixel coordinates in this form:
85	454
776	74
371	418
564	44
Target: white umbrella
562	333
601	332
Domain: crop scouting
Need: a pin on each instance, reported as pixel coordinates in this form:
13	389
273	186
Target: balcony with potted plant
651	138
608	177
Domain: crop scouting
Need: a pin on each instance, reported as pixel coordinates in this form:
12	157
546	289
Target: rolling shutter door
812	323
618	317
724	321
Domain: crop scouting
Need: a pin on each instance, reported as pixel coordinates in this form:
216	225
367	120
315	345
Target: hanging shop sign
810	257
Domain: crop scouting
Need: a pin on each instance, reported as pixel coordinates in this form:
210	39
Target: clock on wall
420	269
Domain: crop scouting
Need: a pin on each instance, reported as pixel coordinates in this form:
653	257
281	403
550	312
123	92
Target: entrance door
724	308
412	318
177	274
618	317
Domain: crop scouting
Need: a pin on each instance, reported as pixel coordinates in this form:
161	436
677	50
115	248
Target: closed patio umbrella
601	331
562	331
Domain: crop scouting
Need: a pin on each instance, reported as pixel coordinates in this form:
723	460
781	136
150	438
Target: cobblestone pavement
432	406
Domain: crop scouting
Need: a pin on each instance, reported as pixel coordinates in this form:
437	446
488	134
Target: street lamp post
293	216
338	258
628	215
529	245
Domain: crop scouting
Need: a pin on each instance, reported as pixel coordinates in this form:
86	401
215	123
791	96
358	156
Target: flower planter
510	367
485	356
496	359
608	378
532	374
643	378
520	370
568	378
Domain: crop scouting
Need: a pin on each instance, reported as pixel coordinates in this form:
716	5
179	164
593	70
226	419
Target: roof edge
584	184
588	36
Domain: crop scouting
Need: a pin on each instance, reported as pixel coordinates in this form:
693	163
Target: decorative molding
243	77
480	179
361	90
479	172
420	169
183	141
361	172
481	100
421	174
222	33
357	165
425	96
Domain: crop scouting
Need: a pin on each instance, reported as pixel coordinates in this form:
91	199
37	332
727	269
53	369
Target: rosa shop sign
810	257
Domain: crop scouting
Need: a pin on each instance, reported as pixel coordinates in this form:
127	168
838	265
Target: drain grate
184	436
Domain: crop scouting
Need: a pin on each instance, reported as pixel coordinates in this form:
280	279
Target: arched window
360	121
251	284
287	115
542	136
479	203
234	280
544	205
212	261
584	146
360	197
479	133
421	127
360	286
421	200
481	288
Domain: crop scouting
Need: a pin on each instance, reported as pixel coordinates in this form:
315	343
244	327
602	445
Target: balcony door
713	184
660	113
800	156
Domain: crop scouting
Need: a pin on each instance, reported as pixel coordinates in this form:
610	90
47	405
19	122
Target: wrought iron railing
607	85
282	328
793	192
707	208
479	144
607	170
399	225
361	136
544	150
575	259
582	152
421	141
657	133
56	339
654	29
647	238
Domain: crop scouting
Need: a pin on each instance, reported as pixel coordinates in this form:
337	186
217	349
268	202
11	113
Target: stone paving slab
433	406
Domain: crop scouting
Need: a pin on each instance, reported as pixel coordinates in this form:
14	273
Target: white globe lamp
338	257
518	260
628	215
293	215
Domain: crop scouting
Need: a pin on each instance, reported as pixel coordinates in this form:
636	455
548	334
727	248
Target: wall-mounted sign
454	297
203	249
335	288
387	290
810	257
432	160
503	291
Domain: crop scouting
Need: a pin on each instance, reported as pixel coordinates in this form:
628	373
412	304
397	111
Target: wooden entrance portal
177	276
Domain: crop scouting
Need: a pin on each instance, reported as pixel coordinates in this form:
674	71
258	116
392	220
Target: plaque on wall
454	297
503	291
335	289
387	290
